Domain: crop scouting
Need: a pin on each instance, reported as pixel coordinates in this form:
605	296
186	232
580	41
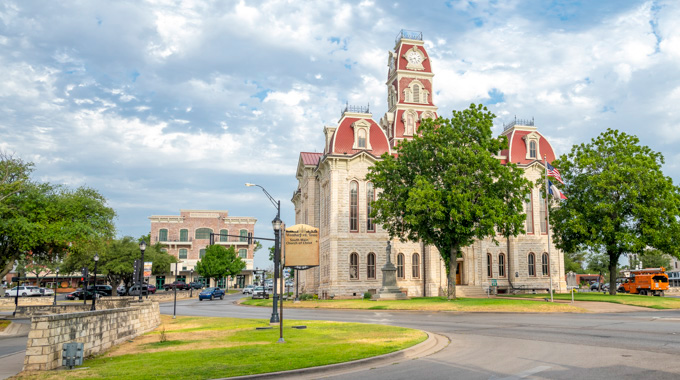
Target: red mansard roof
309	158
518	149
343	138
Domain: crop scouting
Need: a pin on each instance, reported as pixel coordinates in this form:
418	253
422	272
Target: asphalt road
641	345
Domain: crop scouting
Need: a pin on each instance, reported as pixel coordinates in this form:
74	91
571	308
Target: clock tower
409	88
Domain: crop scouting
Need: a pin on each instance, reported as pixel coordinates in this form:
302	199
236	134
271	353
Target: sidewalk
11	364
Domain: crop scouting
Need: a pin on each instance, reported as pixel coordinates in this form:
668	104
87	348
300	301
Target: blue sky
166	105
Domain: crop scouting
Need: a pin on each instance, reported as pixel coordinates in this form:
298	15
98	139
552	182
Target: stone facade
334	196
97	330
181	237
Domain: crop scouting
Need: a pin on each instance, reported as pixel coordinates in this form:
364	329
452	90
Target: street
506	345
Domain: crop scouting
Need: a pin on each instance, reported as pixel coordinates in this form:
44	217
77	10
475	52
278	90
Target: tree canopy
619	200
219	262
446	187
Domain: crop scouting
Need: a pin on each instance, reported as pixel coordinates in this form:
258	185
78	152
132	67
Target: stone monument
389	290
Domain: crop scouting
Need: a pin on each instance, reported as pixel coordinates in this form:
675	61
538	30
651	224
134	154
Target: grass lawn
210	347
625	299
430	304
4	324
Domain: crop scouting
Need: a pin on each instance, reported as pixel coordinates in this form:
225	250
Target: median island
212	347
620	298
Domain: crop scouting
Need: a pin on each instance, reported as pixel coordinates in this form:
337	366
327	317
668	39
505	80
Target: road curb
434	343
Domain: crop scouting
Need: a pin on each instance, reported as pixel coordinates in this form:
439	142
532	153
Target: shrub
306	297
367	296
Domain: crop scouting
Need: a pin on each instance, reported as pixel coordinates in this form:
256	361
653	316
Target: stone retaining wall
97	330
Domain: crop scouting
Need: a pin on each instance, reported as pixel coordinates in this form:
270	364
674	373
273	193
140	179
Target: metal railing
158	239
525	122
409	35
356	109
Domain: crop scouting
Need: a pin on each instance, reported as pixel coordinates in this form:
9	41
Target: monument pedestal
389	290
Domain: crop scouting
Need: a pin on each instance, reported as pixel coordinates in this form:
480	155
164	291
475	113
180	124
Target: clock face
414	57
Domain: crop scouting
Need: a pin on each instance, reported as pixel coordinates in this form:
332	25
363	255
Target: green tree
447	188
573	262
619	200
14	175
652	258
219	262
43	220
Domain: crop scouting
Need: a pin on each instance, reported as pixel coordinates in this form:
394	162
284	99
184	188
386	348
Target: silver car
248	289
259	292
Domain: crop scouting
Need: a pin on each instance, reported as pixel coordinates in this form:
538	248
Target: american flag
552	172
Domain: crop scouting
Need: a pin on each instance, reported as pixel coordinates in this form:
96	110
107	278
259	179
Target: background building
334	196
186	236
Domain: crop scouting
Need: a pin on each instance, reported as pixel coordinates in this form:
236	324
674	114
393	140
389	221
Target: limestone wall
97	330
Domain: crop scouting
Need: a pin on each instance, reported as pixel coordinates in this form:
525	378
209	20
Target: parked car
151	288
211	294
46	292
73	295
134	290
24	291
84	294
196	285
180	285
105	289
248	289
260	292
595	286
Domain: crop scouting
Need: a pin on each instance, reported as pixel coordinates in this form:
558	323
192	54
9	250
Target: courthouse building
187	235
334	196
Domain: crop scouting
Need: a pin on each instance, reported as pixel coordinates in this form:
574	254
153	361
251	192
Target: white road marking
523	374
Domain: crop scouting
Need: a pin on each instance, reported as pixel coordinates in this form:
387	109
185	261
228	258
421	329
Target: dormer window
533	148
362	139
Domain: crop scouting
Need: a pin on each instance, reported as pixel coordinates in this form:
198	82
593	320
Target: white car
24	291
248	289
46	292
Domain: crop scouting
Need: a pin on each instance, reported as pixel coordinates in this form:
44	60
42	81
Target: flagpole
547	219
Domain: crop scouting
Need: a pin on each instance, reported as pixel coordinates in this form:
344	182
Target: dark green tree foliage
619	200
43	219
447	188
653	258
219	262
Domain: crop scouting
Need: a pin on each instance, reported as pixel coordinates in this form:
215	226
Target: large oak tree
619	200
219	262
446	187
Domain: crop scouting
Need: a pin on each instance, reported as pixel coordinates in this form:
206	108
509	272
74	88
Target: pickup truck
180	285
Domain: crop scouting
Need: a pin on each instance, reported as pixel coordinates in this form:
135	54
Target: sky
165	105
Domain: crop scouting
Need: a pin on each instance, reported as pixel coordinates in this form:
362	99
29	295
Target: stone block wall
97	330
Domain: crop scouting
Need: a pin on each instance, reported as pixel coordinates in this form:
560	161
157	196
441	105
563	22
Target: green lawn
430	304
4	324
625	299
206	348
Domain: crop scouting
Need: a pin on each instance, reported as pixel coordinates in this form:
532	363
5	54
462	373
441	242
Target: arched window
370	197
532	149
529	209
353	266
410	123
163	234
182	253
415	265
223	235
489	262
370	266
400	265
361	138
531	264
203	233
243	236
184	235
544	217
354	206
416	93
501	265
545	264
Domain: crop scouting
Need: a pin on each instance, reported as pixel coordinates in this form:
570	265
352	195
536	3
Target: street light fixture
94	286
276	224
142	248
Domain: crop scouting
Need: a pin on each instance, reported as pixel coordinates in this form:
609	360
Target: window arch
489	262
354	266
531	264
400	265
243	236
203	233
184	235
370	197
415	265
501	265
163	234
532	149
370	266
409	119
223	236
354	206
545	264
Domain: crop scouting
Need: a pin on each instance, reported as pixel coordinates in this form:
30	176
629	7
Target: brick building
334	196
186	236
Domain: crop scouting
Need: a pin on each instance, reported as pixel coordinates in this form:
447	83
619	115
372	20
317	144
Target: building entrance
240	281
459	273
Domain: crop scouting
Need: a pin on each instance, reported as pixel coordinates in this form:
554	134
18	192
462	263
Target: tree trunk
613	260
453	268
8	265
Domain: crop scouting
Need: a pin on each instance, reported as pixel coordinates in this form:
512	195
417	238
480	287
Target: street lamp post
142	248
94	286
276	224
